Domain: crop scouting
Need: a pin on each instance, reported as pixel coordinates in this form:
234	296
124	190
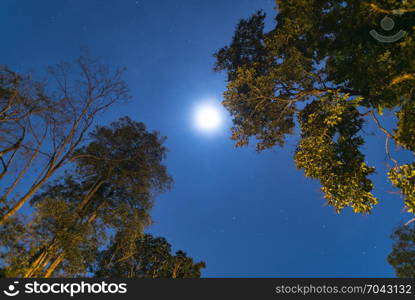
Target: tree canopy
118	173
319	67
151	257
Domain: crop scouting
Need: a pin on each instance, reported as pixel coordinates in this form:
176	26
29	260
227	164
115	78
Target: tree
79	93
150	257
320	66
402	257
118	174
21	100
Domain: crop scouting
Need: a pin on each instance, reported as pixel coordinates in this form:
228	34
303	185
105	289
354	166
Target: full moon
208	117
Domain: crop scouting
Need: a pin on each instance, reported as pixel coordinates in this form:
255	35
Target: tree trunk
24	199
40	262
52	267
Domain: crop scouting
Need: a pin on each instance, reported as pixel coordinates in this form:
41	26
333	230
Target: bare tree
20	100
78	93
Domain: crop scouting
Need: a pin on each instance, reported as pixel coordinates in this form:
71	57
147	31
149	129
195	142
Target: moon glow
208	117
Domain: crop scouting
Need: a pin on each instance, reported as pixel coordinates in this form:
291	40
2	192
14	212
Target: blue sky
245	214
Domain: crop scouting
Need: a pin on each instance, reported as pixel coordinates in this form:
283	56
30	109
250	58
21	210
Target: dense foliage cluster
402	257
320	66
150	257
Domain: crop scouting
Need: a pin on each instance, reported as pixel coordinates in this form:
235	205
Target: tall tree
74	97
402	257
321	66
150	257
118	174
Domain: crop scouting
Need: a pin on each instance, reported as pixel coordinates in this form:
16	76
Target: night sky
246	214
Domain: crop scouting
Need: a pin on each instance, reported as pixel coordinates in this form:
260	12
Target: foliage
329	151
151	257
118	174
405	130
403	177
402	257
319	65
